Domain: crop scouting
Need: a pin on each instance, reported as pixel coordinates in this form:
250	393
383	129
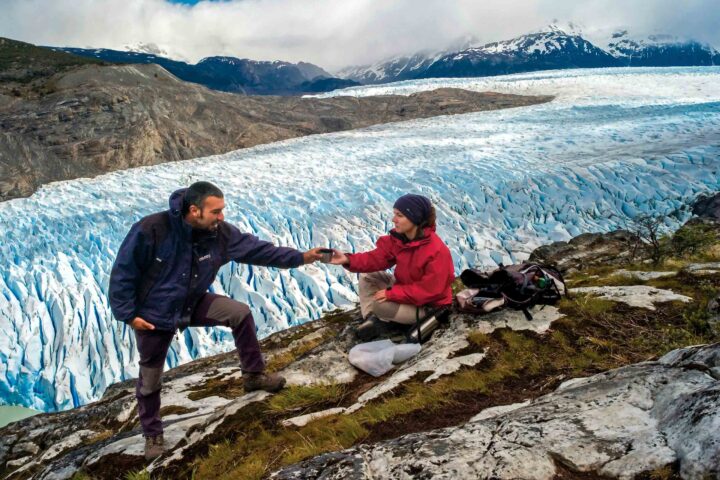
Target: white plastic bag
377	358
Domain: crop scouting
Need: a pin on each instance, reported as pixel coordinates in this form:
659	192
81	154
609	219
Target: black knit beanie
415	207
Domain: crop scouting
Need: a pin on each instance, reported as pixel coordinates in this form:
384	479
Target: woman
424	269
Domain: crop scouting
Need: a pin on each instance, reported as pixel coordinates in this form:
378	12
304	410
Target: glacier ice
613	144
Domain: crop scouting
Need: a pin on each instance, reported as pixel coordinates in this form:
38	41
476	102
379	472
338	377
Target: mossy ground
595	335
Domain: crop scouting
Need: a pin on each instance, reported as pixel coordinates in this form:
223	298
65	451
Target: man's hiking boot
270	382
154	447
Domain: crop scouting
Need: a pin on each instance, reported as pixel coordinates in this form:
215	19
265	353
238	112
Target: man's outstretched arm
247	248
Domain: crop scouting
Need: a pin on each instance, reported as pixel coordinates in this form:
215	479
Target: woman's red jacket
424	268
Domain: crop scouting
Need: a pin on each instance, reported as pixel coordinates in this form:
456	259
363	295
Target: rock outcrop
618	424
707	207
641	296
614	248
201	399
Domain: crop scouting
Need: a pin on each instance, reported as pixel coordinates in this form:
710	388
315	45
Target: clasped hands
316	255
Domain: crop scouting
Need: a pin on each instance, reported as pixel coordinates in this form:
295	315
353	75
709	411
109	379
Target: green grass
296	398
695	240
283	359
478	338
140	475
80	475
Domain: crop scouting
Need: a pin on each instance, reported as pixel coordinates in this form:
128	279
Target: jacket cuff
300	260
348	266
391	293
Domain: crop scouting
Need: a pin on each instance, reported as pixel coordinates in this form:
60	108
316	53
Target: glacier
613	144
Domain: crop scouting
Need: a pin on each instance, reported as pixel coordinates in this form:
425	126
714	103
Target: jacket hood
176	202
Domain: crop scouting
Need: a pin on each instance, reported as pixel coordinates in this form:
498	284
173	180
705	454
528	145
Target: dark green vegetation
26	70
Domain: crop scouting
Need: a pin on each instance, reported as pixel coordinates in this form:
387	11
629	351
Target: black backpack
520	287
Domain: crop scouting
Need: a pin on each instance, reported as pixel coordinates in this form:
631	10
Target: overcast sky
333	33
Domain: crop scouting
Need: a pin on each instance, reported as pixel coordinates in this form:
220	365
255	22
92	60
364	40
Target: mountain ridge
552	47
228	74
100	119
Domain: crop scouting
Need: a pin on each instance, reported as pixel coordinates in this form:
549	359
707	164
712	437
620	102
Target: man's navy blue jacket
163	267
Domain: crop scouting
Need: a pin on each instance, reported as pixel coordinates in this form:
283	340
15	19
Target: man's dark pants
212	311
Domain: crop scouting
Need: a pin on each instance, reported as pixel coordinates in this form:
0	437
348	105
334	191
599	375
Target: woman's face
401	222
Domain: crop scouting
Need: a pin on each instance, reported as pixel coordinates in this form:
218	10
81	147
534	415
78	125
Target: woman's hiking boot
154	447
373	328
370	329
270	382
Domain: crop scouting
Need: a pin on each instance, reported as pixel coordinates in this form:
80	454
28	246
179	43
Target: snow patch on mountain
404	67
393	69
536	44
634	49
151	49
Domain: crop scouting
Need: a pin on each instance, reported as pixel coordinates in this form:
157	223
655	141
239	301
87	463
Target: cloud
331	33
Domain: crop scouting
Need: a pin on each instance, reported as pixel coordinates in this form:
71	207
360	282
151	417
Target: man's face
209	216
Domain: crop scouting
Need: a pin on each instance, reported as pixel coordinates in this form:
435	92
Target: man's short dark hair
197	193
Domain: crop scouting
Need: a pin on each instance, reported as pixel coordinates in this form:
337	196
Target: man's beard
212	227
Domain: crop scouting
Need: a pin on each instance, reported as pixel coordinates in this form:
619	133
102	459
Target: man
160	282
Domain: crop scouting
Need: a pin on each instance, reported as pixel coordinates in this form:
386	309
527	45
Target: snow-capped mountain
660	50
550	48
153	49
403	67
393	70
230	74
615	143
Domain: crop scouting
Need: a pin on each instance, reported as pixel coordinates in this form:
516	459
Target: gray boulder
613	248
707	206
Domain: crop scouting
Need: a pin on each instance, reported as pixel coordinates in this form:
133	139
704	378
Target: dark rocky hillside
25	69
65	117
230	74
